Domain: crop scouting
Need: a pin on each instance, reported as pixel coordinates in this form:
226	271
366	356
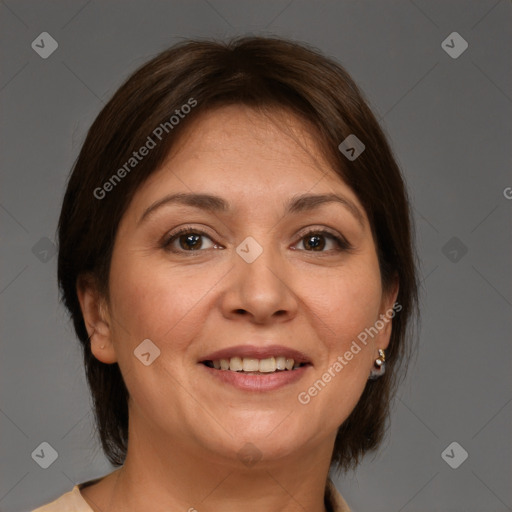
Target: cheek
359	303
344	307
158	301
345	304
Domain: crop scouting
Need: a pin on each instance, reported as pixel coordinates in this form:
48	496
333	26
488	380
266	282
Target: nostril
241	311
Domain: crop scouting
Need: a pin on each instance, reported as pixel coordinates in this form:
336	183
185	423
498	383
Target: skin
186	428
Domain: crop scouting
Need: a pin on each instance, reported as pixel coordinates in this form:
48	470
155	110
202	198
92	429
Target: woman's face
270	266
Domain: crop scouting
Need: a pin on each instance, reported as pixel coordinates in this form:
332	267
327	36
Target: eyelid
318	229
172	235
189	227
339	239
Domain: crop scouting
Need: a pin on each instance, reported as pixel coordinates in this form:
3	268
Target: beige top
73	501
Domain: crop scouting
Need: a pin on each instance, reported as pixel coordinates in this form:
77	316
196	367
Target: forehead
217	129
239	143
248	157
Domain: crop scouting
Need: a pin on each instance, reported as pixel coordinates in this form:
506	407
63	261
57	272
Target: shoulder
71	501
337	503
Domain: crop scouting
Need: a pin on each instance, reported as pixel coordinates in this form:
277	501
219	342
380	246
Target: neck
177	476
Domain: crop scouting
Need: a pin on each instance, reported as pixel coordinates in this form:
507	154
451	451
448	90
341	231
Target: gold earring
379	366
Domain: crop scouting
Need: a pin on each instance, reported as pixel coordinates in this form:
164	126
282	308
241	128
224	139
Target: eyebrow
297	204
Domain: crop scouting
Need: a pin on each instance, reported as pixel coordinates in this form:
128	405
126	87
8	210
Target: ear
388	310
96	318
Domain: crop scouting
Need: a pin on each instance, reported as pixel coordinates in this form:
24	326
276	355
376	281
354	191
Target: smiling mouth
255	366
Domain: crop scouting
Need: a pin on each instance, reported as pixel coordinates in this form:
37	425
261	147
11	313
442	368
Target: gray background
449	121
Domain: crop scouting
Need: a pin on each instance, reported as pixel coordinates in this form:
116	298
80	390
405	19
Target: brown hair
261	73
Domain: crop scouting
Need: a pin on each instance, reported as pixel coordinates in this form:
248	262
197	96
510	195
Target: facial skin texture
187	427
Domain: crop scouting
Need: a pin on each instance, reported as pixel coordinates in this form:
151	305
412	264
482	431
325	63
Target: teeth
281	363
267	365
250	364
236	364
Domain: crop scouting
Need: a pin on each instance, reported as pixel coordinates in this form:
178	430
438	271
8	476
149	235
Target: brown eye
323	241
188	240
314	242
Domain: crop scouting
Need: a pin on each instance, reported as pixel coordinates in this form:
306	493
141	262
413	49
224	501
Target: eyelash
341	242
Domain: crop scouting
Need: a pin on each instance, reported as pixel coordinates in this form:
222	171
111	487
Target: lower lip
257	382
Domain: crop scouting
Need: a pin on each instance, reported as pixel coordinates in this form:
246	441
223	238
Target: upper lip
257	352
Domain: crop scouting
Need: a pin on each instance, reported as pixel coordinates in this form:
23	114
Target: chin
267	436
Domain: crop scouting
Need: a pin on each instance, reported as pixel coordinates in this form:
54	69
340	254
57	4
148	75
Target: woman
235	252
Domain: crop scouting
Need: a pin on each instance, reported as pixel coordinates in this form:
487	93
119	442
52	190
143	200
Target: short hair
262	73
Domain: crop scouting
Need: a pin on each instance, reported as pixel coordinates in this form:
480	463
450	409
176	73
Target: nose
260	291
